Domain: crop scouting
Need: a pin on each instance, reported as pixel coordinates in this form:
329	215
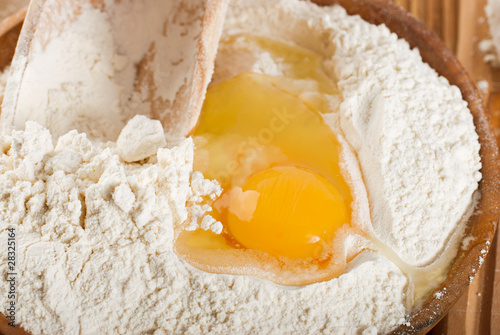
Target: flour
95	251
411	130
95	231
140	138
4	76
415	141
131	67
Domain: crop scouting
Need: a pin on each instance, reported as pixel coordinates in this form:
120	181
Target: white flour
412	132
95	232
415	140
95	251
131	67
4	76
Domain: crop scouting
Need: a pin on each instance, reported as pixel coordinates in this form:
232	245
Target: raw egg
286	206
289	211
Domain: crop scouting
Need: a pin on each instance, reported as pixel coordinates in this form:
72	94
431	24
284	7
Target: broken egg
286	206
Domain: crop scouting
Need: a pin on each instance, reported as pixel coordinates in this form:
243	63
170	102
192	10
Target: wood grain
449	22
462	27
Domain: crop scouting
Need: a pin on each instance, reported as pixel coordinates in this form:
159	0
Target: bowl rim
12	20
8	26
482	224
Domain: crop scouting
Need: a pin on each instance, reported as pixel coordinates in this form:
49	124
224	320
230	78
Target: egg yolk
278	163
295	213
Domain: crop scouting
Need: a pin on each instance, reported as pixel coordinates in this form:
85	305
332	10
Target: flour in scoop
117	58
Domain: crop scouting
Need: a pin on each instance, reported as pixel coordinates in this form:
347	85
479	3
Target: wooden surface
462	24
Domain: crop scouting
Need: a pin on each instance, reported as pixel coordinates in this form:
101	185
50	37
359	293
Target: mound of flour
411	130
95	236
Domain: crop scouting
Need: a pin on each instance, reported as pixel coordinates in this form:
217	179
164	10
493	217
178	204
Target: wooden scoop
91	65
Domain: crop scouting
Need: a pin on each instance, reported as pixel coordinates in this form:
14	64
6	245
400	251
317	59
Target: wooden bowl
10	29
481	225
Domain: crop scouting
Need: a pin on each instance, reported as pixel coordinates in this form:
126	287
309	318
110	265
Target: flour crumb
124	197
487	47
483	86
140	138
209	223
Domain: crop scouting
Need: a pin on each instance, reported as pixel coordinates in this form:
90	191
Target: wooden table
462	25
